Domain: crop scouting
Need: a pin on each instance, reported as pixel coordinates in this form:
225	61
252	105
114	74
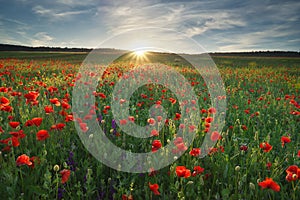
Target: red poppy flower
178	140
285	140
125	197
52	89
123	121
192	128
209	119
181	147
152	172
69	118
197	170
154	133
29	123
14	124
48	109
212	110
18	134
269	183
207	125
203	111
212	151
291	177
131	118
37	121
102	95
269	165
4	101
60	126
63	113
65	174
247	111
6	108
293	173
177	116
23	160
243	147
3	89
195	152
154	188
172	100
42	135
65	105
55	101
15	141
298	154
181	126
156	144
215	136
151	121
31	97
122	101
5	141
221	149
182	171
265	146
244	127
84	127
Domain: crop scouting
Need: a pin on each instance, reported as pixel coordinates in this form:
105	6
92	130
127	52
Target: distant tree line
9	47
260	54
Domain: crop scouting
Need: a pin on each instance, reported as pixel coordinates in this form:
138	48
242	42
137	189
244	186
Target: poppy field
256	156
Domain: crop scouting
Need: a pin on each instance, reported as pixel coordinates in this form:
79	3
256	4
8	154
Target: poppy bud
190	183
56	168
252	186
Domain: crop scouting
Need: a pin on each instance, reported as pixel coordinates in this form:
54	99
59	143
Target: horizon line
113	48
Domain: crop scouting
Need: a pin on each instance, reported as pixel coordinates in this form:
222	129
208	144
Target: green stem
294	190
57	181
22	183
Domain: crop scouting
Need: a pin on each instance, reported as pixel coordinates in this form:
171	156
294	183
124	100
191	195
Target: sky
217	26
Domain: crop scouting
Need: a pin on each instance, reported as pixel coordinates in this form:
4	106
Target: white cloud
177	16
41	39
42	11
77	2
55	14
260	40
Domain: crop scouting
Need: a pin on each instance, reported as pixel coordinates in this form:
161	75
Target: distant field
78	57
75	57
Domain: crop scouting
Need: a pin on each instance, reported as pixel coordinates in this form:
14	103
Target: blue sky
219	26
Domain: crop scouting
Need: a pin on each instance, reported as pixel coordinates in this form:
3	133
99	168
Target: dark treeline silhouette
260	54
9	47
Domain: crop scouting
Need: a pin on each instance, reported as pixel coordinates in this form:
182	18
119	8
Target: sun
140	53
139	56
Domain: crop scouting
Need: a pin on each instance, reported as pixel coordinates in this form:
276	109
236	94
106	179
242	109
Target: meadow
257	154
